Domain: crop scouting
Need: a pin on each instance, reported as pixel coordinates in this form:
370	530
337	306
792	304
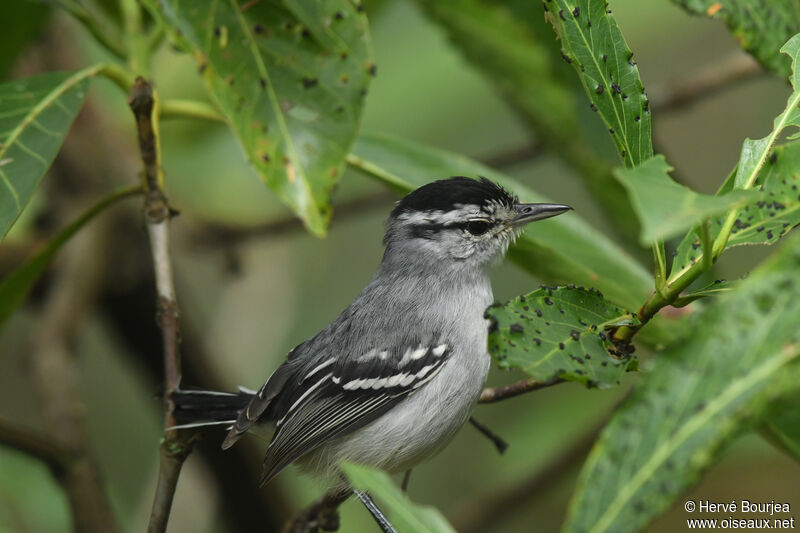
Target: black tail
199	408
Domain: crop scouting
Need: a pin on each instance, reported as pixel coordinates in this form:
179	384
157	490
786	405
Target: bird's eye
478	227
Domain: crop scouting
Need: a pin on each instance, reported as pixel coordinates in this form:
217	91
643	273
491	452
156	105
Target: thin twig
174	447
128	312
498	442
496	394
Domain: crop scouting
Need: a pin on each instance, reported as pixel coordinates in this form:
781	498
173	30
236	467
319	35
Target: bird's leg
323	514
498	442
406	479
375	511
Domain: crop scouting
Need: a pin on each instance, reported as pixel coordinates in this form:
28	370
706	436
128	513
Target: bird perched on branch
390	381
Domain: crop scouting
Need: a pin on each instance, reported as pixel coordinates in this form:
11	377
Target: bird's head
460	220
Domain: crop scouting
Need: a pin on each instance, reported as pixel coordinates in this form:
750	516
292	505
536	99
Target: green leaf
291	78
759	27
763	222
715	288
740	357
593	44
558	333
35	116
666	208
15	287
513	46
755	152
406	516
563	249
782	428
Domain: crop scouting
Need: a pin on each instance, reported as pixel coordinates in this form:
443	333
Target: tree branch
705	81
496	394
174	447
126	309
38	445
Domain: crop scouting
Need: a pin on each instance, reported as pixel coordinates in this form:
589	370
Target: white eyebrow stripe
441	217
319	367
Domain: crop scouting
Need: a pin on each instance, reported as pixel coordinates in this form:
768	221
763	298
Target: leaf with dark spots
666	208
601	58
739	360
760	28
778	179
552	353
271	63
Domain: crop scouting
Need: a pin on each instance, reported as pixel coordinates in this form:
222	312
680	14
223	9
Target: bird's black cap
444	195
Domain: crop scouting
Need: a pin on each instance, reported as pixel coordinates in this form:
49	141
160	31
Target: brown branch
496	394
704	82
127	309
38	445
174	447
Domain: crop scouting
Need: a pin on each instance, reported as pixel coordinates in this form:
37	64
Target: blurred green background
247	301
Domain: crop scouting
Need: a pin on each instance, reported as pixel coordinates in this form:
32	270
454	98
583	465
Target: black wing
337	397
263	399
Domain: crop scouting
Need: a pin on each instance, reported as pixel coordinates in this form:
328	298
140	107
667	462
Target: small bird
391	380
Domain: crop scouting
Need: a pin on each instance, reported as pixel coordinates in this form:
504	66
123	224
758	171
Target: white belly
415	429
423	423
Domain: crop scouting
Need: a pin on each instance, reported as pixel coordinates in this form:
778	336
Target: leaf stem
660	266
137	40
121	77
97	29
176	108
496	394
705	239
661	299
780	123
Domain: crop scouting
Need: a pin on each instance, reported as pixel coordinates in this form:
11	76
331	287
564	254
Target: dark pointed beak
530	212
